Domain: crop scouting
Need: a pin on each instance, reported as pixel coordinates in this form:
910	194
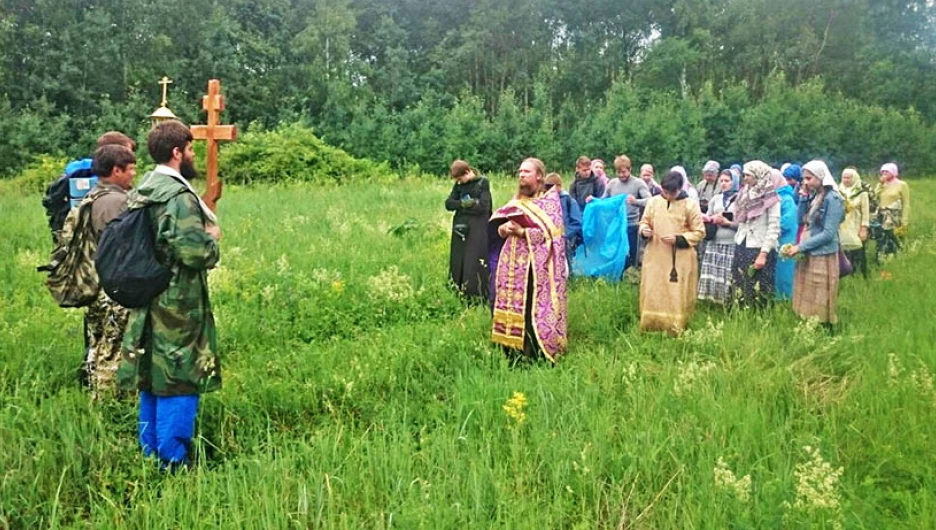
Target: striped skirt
715	276
815	288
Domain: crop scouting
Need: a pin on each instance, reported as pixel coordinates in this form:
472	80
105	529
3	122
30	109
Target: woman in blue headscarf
789	227
715	275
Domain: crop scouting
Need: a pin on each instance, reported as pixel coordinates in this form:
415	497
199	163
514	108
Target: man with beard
586	185
528	261
170	348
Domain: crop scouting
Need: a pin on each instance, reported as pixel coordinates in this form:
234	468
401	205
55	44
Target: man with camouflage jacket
170	347
105	320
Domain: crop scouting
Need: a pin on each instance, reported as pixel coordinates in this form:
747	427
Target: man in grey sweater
637	196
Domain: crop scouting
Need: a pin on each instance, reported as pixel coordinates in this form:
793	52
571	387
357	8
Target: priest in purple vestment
529	269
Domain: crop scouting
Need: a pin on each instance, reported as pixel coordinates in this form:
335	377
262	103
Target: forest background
418	83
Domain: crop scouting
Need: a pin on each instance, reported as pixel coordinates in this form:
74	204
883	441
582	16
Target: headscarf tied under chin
757	198
686	185
891	168
852	191
820	170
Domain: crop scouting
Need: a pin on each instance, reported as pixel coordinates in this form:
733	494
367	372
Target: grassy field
360	393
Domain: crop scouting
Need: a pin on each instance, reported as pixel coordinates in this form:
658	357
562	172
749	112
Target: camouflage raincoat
170	348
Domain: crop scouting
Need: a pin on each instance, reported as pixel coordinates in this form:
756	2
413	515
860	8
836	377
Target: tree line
420	82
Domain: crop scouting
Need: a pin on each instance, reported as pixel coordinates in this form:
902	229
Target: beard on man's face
187	169
527	190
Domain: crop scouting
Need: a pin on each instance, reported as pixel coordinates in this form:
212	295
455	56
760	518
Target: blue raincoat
605	248
789	226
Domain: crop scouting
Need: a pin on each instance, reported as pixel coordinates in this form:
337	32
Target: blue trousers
166	426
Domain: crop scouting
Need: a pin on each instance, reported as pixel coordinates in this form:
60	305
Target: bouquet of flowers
785	252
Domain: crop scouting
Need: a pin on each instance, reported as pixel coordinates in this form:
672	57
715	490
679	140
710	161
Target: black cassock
468	266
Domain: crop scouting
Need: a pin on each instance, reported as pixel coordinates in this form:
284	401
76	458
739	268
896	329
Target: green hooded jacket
170	348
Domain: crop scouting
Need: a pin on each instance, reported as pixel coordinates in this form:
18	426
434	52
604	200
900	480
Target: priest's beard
187	169
528	191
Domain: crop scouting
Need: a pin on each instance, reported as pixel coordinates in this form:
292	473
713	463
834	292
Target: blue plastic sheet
604	230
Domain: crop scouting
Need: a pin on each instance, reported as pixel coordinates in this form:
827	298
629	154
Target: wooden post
212	133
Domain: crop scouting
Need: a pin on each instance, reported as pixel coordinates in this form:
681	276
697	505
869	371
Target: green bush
36	176
292	153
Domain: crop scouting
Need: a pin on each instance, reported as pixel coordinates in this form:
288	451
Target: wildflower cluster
923	381
689	373
630	373
391	284
323	277
515	408
220	279
816	483
711	333
726	480
894	369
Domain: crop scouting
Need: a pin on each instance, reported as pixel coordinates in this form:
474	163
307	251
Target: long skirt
815	288
752	287
715	279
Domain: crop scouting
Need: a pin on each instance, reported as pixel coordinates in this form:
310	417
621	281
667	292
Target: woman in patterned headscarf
757	218
854	231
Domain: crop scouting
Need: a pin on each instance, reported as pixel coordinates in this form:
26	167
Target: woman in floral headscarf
893	212
757	218
854	231
815	289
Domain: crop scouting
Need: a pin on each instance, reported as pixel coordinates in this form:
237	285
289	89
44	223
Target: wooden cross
165	82
214	132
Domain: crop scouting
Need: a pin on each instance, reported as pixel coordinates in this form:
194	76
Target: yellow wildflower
514	408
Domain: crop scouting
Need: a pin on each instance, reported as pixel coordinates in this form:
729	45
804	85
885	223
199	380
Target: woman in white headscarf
815	288
686	185
854	231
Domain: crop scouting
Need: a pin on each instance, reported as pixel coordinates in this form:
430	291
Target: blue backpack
66	192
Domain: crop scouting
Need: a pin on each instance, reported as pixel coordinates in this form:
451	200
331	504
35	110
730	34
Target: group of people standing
743	237
166	350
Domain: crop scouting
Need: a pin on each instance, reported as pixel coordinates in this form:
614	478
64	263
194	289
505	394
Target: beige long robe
665	305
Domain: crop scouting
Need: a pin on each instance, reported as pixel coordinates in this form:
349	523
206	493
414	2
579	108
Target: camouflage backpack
72	280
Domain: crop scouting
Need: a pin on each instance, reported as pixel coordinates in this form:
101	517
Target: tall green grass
360	393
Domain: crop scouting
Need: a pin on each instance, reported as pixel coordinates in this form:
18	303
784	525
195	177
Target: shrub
293	153
36	176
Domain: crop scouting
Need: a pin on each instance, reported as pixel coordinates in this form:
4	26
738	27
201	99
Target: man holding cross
170	349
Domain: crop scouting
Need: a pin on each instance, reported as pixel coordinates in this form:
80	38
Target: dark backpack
126	262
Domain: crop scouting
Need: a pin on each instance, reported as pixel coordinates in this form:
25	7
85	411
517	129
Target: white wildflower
893	369
325	276
282	264
725	479
630	373
391	284
689	373
268	293
220	279
711	333
816	483
923	380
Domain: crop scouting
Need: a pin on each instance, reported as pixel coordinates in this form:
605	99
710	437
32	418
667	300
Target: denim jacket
824	226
